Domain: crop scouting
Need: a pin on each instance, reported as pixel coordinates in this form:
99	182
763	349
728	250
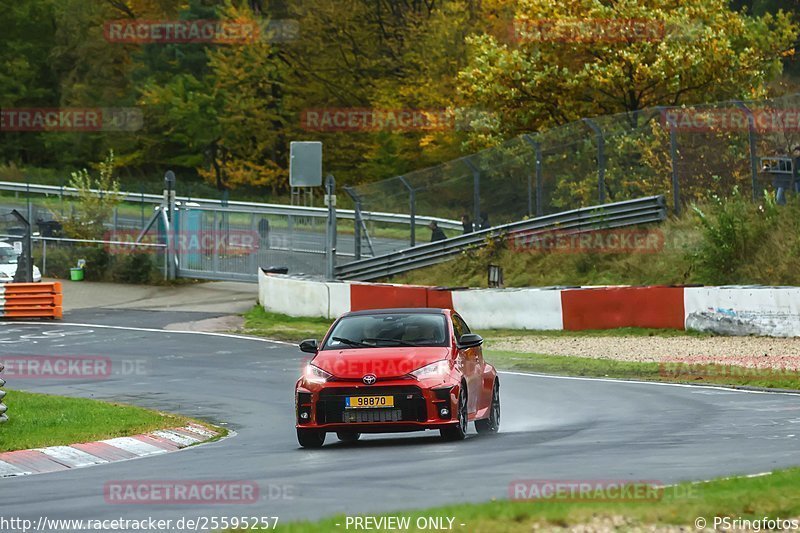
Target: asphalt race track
552	428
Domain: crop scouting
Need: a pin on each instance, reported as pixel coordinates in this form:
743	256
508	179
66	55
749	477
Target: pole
169	205
358	221
601	159
412	209
752	138
330	241
476	191
537	146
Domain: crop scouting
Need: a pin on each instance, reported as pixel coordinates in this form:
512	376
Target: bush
100	264
734	231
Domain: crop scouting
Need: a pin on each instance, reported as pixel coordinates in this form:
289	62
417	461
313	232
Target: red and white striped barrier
56	458
770	311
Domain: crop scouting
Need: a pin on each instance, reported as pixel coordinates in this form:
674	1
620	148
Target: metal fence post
601	159
752	138
357	221
412	207
169	205
537	146
330	241
3	408
676	185
476	190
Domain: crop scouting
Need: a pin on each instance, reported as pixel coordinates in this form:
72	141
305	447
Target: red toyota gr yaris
392	370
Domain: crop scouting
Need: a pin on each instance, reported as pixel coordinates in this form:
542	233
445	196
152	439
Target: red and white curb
57	458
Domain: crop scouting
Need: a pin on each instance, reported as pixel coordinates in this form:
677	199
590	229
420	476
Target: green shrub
734	230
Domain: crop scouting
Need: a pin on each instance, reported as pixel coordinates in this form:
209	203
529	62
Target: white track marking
72	457
134	446
720	388
9	470
155	330
176	438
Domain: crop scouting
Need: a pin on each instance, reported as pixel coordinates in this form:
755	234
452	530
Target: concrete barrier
510	308
770	311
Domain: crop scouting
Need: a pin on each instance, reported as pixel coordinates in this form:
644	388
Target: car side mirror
470	340
309	346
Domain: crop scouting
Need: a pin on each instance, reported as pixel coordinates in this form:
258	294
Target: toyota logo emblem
369	379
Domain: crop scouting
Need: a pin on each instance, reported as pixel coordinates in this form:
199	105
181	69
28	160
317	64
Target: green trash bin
76	274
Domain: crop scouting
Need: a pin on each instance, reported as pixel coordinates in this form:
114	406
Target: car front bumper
417	406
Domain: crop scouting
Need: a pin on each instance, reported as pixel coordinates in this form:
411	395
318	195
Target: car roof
399	310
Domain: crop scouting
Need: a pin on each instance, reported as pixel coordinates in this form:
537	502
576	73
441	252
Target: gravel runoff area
758	352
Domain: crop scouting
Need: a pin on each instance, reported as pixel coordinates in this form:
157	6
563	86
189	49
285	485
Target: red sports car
392	370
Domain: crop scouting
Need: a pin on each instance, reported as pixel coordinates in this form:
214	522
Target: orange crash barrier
30	300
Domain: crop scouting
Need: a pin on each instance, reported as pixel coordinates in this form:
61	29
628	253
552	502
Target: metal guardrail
3	408
246	207
620	214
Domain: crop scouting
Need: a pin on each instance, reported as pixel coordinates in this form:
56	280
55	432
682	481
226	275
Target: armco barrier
768	311
31	300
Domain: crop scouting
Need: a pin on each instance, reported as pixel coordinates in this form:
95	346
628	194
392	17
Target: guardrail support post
752	138
330	241
537	146
601	159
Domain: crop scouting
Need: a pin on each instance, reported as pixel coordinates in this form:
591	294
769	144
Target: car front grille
409	405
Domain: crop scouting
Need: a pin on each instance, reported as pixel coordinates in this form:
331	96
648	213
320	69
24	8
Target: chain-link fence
684	153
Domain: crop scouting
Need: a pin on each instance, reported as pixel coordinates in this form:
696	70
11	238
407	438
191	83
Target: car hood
382	362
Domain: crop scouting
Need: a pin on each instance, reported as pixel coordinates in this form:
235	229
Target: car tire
491	424
310	438
348	436
458	431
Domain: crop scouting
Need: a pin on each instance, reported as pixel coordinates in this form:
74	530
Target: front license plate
358	402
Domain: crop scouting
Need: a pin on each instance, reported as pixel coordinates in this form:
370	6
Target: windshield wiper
398	341
350	342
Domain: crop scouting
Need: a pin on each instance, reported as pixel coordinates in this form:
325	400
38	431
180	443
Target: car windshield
387	330
7	256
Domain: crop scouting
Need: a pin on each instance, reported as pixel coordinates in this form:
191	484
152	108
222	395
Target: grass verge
774	495
281	327
697	374
38	420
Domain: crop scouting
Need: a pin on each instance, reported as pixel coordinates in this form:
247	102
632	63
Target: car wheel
491	424
458	431
310	438
348	436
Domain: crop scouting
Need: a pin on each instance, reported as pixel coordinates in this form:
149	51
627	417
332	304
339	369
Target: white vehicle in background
9	257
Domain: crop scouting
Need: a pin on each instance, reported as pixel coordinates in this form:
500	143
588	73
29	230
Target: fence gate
232	243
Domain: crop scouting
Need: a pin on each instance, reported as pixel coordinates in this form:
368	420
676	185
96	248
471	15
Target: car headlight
315	374
439	368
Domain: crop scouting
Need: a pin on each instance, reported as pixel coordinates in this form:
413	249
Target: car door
472	364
